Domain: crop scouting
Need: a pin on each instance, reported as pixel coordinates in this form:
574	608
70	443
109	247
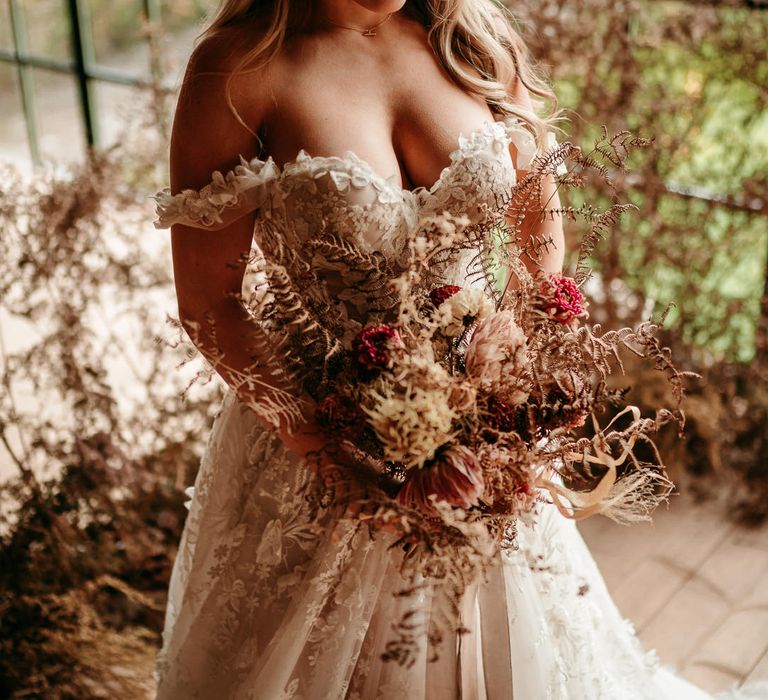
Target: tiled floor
696	588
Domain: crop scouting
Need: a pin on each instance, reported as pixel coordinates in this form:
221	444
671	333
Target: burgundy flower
500	415
454	476
375	346
336	412
562	410
524	488
562	299
440	294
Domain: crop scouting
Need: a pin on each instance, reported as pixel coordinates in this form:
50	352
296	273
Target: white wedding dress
261	608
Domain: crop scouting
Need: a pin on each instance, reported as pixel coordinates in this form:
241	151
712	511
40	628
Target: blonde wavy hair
475	40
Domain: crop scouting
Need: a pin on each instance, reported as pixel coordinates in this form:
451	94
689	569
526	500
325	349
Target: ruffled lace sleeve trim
521	138
347	172
525	144
226	198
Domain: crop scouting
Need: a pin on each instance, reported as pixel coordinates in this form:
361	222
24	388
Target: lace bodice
314	195
314	198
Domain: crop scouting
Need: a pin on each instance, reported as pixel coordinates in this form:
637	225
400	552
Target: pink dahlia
562	299
440	294
455	477
375	346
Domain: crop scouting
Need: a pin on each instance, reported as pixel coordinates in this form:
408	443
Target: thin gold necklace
370	31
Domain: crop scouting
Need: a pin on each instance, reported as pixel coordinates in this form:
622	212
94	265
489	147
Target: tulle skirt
261	607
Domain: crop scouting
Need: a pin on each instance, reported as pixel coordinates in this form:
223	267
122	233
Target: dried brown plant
93	424
95	497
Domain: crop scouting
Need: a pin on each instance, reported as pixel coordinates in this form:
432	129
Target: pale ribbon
580	504
495	620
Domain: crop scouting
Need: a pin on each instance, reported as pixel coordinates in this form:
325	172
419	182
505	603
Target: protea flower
562	299
496	358
375	346
454	476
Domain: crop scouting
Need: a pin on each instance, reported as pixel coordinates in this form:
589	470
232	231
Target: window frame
82	65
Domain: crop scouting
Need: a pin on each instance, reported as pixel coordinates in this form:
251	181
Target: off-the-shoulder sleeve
522	139
525	144
553	143
225	199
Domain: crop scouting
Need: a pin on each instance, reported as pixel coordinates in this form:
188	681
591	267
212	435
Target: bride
358	116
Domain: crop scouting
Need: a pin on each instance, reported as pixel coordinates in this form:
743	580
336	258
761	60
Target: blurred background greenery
96	442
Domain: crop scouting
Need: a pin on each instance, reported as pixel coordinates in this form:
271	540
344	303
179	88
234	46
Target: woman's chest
403	116
313	196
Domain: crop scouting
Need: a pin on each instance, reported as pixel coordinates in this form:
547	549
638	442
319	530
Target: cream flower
410	410
410	425
461	309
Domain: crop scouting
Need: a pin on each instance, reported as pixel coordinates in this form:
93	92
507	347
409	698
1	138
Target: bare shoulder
220	53
220	110
511	39
219	62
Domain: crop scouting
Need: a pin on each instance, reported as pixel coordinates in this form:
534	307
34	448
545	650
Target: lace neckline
476	139
258	182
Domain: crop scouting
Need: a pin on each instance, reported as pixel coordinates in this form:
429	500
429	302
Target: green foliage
696	79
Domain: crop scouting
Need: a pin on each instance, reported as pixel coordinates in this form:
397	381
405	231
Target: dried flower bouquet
466	396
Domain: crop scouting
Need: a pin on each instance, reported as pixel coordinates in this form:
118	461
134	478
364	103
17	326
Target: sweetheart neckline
203	207
303	156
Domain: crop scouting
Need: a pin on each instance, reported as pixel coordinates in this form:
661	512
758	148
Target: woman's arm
549	227
209	265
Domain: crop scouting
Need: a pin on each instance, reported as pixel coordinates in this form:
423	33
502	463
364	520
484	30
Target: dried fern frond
368	273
